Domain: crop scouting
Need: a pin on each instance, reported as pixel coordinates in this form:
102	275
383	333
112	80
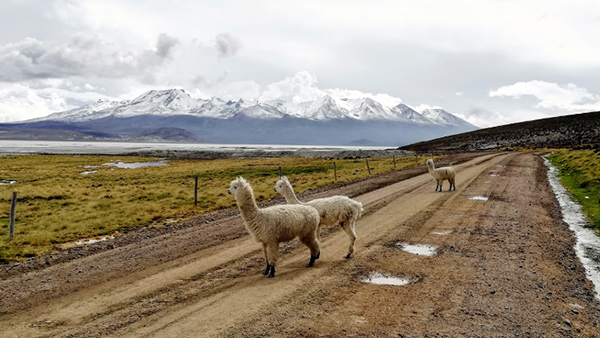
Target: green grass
57	204
579	172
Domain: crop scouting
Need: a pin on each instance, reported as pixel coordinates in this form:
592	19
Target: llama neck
431	168
290	195
247	204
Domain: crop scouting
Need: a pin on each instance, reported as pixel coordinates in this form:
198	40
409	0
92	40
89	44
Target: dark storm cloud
83	56
227	45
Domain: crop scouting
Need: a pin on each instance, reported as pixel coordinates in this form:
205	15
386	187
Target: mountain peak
439	115
169	102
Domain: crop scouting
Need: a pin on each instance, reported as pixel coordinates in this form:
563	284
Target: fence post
280	173
368	168
394	162
196	190
334	171
13	206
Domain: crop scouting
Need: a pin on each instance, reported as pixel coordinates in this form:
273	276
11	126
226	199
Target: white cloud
568	97
298	88
302	87
422	107
21	102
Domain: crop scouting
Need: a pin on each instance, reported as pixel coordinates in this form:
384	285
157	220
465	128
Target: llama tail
360	209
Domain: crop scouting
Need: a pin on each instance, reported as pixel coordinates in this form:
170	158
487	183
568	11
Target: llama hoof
348	256
272	274
318	255
267	270
312	261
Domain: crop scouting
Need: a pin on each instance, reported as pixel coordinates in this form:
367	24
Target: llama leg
272	252
349	229
315	250
268	269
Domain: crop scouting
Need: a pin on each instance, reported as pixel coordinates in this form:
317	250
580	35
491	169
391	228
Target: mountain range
173	115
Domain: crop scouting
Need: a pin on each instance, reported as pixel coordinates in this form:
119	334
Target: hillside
557	132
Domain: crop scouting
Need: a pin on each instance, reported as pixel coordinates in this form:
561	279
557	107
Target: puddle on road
478	198
442	233
93	240
588	244
418	249
379	278
7	182
85	241
135	165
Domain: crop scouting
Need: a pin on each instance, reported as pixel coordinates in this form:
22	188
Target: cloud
484	118
298	88
82	56
422	107
303	87
568	97
165	45
21	102
227	45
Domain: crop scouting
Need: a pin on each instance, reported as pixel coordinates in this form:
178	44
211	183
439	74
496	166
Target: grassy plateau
64	198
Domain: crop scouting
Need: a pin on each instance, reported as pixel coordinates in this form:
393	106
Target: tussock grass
57	204
579	172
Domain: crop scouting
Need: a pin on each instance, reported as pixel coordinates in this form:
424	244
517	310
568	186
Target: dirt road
503	267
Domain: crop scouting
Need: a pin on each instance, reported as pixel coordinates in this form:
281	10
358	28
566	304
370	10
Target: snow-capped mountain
96	110
173	114
410	114
161	102
440	116
177	102
324	108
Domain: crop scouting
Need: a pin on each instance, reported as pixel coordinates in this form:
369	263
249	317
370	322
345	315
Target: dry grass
57	204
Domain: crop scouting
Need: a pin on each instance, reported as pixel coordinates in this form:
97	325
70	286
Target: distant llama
441	174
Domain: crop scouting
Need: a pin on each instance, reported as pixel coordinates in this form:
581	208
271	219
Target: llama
441	174
273	225
333	210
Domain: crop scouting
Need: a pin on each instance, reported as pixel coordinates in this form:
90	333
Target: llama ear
285	179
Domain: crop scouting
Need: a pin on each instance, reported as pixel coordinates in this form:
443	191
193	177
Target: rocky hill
579	130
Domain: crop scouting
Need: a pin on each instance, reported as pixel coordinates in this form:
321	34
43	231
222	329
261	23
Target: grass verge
579	172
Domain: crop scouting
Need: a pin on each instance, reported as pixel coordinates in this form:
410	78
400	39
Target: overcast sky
489	62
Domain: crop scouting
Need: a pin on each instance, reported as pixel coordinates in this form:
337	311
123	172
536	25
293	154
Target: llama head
237	185
429	163
282	185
